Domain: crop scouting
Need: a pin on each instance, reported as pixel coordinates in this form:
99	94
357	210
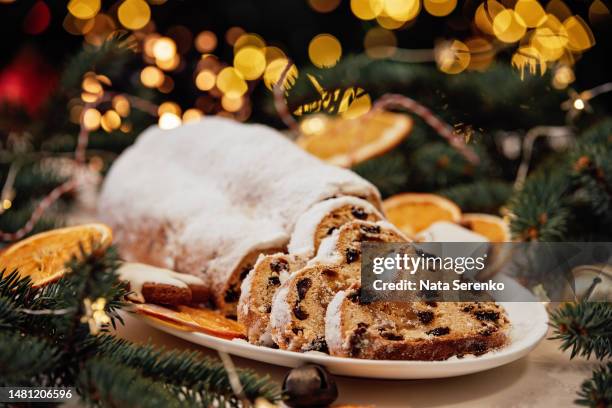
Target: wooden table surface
545	378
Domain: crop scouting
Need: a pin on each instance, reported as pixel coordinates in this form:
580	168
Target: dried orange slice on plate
494	228
192	319
346	142
413	212
43	256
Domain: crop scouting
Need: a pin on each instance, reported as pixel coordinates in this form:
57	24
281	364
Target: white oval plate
529	323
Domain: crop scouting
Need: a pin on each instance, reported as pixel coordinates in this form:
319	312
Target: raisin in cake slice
412	331
258	289
322	219
344	245
298	307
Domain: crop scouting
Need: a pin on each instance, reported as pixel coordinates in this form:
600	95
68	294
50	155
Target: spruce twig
596	392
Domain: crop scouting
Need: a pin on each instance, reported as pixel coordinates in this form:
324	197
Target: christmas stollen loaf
209	197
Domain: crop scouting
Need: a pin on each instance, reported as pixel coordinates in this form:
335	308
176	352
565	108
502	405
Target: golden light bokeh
249	40
151	77
231	82
508	26
482	53
313	124
550	39
148	43
205	80
169	107
76	26
232	35
110	120
250	61
452	57
531	12
485	14
389	23
558	9
206	41
527	57
121	105
231	104
164	49
273	53
598	12
167	85
360	105
439	8
579	35
324	50
91	119
169	120
563	76
379	43
402	10
275	69
323	6
192	115
91	84
169	64
84	9
367	9
103	27
134	14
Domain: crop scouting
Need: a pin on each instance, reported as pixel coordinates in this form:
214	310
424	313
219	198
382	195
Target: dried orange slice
43	256
192	319
413	212
346	142
494	228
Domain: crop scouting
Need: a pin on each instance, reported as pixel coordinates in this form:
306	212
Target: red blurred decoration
27	81
38	18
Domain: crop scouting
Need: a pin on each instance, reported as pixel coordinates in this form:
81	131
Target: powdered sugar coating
200	197
302	239
333	321
444	231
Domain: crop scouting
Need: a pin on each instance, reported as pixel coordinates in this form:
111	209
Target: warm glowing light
206	41
527	57
148	43
579	104
91	119
110	120
251	62
205	80
323	6
151	77
486	13
313	124
275	69
231	82
231	104
169	107
77	26
169	64
360	105
558	9
192	115
481	53
564	76
92	85
6	204
169	121
579	35
508	26
324	50
598	12
103	26
531	12
167	85
273	53
389	23
379	43
232	35
164	49
121	105
550	39
249	40
452	57
84	9
367	9
89	97
402	10
439	8
134	14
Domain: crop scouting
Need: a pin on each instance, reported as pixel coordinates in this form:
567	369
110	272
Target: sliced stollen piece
148	284
412	331
344	245
323	218
298	307
258	288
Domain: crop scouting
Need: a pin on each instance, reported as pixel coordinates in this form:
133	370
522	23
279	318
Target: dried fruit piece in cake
257	290
322	219
161	286
496	229
344	245
194	319
412	331
298	307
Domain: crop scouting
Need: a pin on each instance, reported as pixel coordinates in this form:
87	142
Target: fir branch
205	377
585	328
479	196
390	173
592	175
596	392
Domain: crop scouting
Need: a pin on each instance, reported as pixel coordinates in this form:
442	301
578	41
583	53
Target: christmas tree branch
597	390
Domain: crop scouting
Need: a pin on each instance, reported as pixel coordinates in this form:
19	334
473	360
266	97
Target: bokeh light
192	115
151	77
508	26
324	50
164	49
275	69
232	35
531	12
402	10
379	43
367	9
323	6
579	35
251	62
249	40
169	120
231	82
110	120
231	104
91	119
205	80
452	57
84	9
439	8
121	105
482	53
485	15
169	107
360	105
134	14
206	41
